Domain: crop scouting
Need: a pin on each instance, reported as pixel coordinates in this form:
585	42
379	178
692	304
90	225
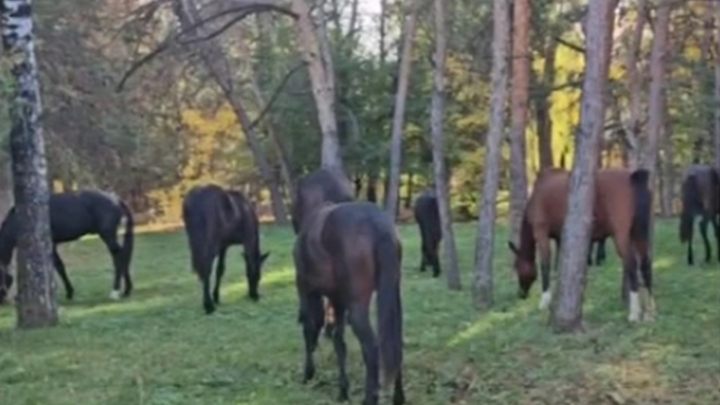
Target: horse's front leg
544	248
60	268
716	227
703	232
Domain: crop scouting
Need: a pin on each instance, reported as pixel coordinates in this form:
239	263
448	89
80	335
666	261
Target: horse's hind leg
544	248
340	350
360	322
646	271
716	227
703	232
60	267
219	272
690	259
115	250
312	317
631	273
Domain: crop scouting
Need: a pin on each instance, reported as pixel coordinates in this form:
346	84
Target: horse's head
253	262
6	282
525	270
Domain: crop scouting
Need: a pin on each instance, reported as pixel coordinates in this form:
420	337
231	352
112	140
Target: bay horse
622	210
345	252
313	191
73	215
215	219
700	197
427	217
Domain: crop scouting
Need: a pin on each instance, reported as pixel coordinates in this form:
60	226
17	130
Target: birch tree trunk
567	309
438	148
398	124
36	300
518	114
485	243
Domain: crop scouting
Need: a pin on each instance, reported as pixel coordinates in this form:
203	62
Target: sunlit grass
158	347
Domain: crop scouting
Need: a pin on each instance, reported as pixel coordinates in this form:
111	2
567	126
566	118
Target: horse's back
75	214
707	179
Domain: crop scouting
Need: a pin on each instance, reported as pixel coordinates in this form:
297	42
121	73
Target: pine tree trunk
542	108
485	243
518	114
438	148
567	308
36	301
717	87
398	124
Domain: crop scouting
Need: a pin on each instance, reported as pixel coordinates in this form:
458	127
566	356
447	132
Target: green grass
158	347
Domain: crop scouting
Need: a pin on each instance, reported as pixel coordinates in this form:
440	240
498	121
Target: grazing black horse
700	197
313	191
73	215
427	217
216	219
345	252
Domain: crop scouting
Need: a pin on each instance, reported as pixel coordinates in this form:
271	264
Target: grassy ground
159	347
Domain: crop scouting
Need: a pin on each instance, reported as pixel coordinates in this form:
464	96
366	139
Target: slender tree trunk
634	81
215	62
717	88
667	175
542	107
322	78
36	301
438	148
398	124
410	189
567	309
518	114
485	243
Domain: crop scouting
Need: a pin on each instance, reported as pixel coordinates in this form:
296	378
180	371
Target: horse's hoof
309	374
343	396
114	295
399	398
209	309
254	297
370	401
545	300
69	295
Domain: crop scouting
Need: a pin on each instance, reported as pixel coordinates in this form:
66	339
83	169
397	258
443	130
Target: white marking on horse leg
634	314
115	295
650	310
545	299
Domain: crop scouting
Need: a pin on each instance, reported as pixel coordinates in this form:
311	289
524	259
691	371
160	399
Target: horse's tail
640	182
690	193
388	254
129	238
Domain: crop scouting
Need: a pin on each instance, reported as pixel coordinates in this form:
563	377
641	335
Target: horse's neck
527	241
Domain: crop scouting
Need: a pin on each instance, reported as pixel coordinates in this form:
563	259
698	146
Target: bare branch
574	47
275	95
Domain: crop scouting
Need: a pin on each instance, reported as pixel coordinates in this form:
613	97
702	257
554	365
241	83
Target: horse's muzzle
522	294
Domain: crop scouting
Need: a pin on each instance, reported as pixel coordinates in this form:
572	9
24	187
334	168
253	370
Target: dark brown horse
700	197
216	219
72	216
622	211
345	252
313	191
427	217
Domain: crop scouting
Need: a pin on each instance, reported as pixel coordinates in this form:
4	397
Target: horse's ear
513	248
264	256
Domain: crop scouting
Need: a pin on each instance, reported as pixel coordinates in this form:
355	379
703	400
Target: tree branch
574	47
275	95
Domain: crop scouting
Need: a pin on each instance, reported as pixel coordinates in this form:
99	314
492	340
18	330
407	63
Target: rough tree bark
485	243
438	148
518	113
567	308
36	301
398	124
215	62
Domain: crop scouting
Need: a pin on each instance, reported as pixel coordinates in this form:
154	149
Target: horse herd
345	250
